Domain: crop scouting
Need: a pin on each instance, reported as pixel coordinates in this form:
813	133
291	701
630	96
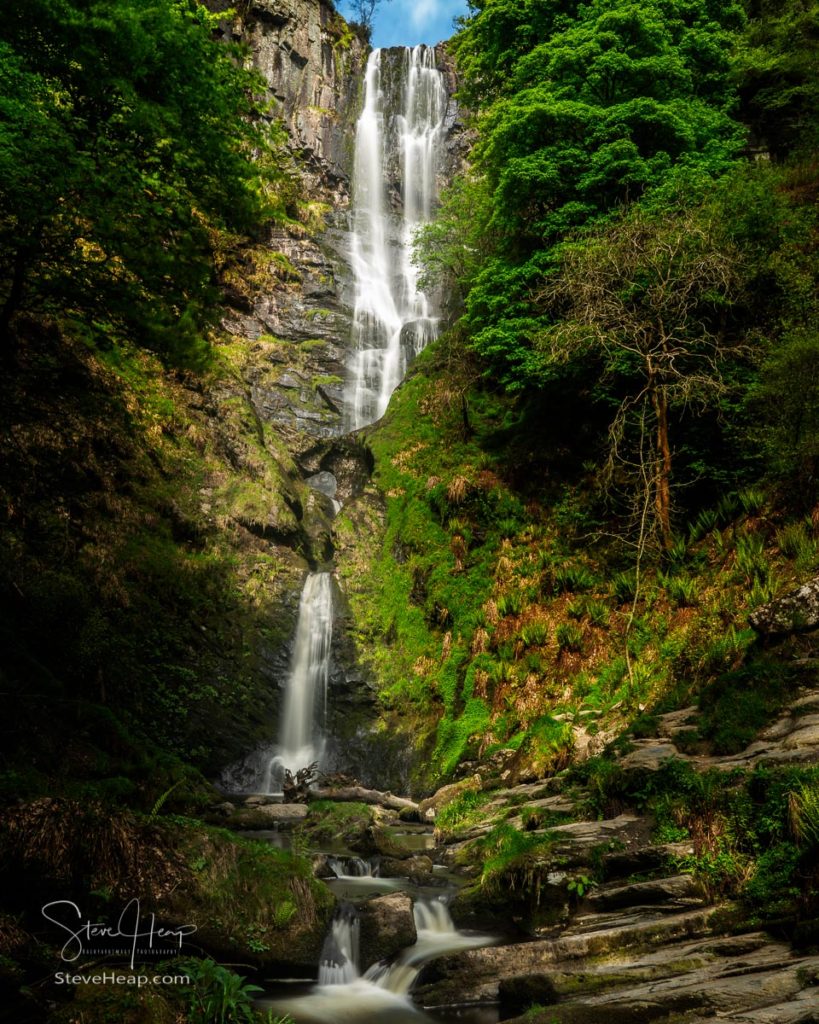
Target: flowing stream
401	124
381	995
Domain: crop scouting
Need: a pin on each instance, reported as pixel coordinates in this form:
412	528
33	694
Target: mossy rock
342	824
249	900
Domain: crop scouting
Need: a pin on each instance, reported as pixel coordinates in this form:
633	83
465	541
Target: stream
382	994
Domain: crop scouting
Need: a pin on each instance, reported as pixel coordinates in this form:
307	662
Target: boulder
417	868
429	808
387	927
796	612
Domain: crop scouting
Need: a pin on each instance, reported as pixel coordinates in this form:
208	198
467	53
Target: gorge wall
291	333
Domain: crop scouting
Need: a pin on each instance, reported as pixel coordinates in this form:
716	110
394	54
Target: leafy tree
777	67
594	106
649	294
126	141
496	35
787	401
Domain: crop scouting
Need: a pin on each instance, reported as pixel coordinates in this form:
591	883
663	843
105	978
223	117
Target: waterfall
301	739
352	867
437	935
339	955
393	320
344	996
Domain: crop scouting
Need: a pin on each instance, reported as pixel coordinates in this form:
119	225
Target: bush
569	637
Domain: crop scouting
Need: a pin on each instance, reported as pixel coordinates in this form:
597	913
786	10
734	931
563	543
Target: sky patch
409	22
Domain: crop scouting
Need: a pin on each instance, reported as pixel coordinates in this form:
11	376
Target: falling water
301	739
352	867
382	993
393	318
339	957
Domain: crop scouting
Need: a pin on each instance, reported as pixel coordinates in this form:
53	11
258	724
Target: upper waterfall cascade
393	319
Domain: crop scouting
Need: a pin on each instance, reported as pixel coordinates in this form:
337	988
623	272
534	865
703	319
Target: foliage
776	69
582	108
219	995
645	300
125	153
466	809
786	396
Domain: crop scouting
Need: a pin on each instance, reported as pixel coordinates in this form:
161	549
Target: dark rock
417	868
517	994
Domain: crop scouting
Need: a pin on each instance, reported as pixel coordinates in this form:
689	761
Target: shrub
624	586
751	560
569	637
573	578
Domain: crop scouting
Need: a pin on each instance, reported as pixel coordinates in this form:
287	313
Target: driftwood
296	789
364	796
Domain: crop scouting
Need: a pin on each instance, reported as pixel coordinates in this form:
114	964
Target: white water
393	319
301	737
340	957
382	994
352	867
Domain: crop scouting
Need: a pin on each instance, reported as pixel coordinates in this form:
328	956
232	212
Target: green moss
330	821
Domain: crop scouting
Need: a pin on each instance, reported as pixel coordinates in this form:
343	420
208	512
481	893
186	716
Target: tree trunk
662	498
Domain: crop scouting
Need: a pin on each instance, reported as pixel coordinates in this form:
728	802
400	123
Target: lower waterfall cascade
301	740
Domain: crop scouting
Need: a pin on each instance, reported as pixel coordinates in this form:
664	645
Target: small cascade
344	996
393	319
437	935
301	735
352	867
340	956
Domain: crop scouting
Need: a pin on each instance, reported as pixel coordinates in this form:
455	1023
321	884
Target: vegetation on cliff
610	459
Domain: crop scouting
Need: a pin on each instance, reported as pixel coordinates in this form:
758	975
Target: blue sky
407	22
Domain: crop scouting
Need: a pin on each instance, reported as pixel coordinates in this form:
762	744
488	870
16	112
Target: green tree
594	106
786	399
647	297
126	144
777	68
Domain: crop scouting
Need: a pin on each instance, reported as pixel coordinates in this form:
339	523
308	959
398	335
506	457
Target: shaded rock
519	993
321	866
265	816
387	927
796	612
417	868
678	889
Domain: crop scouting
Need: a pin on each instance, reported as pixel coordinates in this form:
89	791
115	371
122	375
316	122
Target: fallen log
358	794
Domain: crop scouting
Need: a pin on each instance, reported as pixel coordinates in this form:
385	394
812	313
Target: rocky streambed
588	918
